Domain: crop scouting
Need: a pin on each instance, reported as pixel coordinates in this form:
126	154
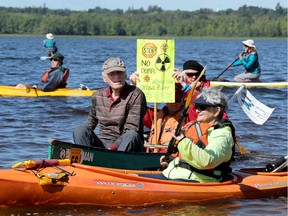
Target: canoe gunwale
100	157
60	143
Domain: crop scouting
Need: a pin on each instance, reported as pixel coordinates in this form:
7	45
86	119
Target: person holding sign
167	117
205	157
118	110
191	71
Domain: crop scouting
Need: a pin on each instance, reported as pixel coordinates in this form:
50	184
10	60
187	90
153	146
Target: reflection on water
244	207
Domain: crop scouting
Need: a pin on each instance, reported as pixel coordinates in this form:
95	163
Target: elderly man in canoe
118	110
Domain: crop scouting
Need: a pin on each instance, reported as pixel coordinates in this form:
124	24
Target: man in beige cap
118	110
249	59
50	44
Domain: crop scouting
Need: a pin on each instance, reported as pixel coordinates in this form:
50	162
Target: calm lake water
28	123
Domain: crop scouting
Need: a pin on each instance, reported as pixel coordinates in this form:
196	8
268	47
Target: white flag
254	109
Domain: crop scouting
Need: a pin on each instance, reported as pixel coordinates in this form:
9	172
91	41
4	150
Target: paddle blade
242	150
26	164
17	165
31	164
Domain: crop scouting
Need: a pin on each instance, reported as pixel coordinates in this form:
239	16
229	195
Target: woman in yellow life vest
206	156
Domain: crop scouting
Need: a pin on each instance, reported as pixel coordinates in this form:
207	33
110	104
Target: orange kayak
80	184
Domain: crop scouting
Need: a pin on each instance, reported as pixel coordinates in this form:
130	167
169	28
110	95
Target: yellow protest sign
155	64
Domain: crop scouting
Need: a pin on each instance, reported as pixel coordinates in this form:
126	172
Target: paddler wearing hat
50	45
55	77
191	71
250	60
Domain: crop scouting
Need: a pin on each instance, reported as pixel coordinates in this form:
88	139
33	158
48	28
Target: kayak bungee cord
56	178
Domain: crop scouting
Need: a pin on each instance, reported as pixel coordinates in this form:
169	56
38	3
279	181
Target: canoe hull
102	186
9	91
102	157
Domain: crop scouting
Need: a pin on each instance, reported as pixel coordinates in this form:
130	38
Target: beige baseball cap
113	64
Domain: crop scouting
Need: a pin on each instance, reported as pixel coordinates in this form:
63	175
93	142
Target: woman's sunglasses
193	74
201	107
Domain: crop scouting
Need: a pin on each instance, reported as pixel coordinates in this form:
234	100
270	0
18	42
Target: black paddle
226	68
172	147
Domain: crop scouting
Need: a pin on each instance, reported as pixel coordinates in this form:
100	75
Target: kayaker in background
53	78
250	60
50	45
191	71
118	110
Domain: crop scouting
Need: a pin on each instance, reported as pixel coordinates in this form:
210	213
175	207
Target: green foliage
244	22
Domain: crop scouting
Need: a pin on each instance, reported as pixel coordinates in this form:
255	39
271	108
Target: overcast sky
189	5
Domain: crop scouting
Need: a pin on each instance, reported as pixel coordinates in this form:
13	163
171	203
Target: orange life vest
198	132
165	125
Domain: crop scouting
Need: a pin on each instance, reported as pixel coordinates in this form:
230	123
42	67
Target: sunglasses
193	74
201	107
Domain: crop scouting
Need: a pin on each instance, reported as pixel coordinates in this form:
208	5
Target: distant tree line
244	22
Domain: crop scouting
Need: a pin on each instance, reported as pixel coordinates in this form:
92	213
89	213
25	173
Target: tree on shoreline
244	22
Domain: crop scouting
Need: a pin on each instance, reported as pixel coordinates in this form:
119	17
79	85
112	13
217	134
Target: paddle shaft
171	147
227	67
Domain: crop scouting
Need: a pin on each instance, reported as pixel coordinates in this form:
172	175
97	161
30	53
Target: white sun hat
49	36
249	43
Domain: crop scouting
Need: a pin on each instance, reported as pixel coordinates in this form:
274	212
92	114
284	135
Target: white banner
254	109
